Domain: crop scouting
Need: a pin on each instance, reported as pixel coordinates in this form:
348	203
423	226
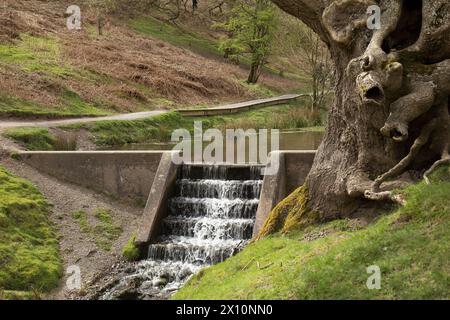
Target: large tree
389	121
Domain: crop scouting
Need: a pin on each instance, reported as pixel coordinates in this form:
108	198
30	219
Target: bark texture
389	121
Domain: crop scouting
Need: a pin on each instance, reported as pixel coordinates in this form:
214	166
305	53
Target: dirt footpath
77	248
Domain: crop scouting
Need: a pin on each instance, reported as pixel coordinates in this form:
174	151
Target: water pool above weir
209	217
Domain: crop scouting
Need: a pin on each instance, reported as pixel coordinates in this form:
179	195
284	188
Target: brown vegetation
118	71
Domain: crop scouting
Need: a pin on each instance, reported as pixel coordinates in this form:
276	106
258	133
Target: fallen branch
248	263
263	267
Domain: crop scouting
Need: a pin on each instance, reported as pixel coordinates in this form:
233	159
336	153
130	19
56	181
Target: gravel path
66	122
225	109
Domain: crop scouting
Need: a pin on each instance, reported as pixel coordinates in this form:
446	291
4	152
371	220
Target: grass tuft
40	139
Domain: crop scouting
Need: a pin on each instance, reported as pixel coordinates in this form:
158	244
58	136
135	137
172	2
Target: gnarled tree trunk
390	116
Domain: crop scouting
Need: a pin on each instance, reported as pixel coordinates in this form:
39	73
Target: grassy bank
160	128
29	254
411	245
40	139
71	105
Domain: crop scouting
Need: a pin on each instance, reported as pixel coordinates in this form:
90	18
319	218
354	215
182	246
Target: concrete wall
123	174
297	166
293	168
156	209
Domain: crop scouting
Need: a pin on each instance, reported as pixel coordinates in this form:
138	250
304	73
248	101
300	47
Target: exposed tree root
385	196
438	163
406	161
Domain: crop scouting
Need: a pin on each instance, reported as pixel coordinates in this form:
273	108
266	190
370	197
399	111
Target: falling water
211	218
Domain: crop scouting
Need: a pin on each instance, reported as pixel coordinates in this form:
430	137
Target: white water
211	218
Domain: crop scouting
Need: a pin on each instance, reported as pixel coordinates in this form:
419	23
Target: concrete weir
125	175
151	176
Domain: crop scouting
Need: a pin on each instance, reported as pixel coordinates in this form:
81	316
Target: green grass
42	55
32	138
176	36
40	139
36	54
103	231
160	128
411	246
29	251
259	89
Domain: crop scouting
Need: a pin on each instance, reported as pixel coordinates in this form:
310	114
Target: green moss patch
29	251
130	251
289	214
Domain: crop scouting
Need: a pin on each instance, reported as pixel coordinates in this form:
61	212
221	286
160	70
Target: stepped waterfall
211	217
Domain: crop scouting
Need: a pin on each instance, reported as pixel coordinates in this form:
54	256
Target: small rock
91	252
160	282
146	285
128	291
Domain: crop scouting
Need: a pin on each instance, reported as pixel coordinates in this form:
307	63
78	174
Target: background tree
102	8
251	28
389	121
312	58
317	65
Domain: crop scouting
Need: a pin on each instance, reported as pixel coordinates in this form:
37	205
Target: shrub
130	251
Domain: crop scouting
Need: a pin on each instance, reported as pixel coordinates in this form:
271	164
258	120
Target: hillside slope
48	71
411	246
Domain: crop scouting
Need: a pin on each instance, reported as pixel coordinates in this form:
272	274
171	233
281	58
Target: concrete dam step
211	228
196	254
214	208
211	214
219	189
220	172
